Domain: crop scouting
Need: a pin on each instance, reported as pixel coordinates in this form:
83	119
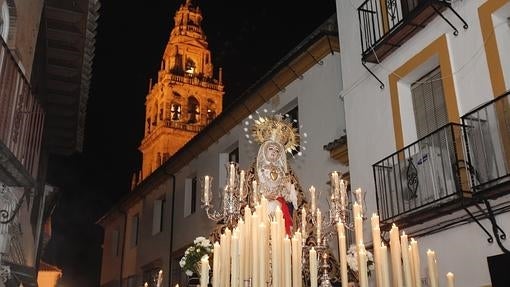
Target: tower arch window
211	110
190	66
193	110
175	112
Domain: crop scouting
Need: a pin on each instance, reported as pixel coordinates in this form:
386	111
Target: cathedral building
186	97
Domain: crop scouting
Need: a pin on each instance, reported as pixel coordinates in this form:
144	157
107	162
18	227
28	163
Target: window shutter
156	217
187	197
429	103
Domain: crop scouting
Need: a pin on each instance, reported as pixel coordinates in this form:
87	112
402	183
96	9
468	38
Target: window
115	242
194	194
175	112
135	225
193	110
150	276
158	215
233	156
190	195
428	103
293	116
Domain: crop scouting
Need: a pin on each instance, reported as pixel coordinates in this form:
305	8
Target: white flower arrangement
190	262
352	261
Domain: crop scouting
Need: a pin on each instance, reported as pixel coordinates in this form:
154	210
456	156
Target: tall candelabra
234	196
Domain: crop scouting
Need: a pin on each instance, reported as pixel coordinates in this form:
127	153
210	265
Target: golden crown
277	129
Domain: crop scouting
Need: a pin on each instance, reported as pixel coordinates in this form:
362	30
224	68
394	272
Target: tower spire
186	97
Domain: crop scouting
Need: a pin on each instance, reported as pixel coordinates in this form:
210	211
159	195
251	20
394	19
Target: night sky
246	38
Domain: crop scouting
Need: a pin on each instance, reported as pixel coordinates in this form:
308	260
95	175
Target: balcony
487	140
386	24
424	180
21	124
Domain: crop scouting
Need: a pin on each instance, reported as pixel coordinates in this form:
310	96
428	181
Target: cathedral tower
186	96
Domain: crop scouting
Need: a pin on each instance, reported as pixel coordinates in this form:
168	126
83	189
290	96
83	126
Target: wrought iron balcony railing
487	138
386	24
21	122
423	175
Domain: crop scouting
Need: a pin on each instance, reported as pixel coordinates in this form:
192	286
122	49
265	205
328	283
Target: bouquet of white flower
190	262
352	262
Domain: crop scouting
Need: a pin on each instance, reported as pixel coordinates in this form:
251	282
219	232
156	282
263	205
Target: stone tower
186	96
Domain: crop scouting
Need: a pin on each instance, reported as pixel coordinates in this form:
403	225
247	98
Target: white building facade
421	142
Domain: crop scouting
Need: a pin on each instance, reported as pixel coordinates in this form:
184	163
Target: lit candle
343	193
396	262
384	266
232	175
303	221
431	261
287	262
204	271
319	226
206	190
356	209
146	284
312	196
450	279
376	239
255	190
313	267
415	251
241	184
334	183
160	278
216	264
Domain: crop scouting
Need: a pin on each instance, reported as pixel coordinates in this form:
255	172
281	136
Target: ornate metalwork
392	8
5	273
412	179
8	206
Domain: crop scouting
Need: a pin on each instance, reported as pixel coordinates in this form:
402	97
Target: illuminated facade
186	96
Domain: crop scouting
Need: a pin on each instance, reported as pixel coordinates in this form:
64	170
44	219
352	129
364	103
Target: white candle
232	175
216	264
264	208
300	258
343	257
358	229
241	228
334	184
356	210
160	278
385	272
363	275
312	196
235	261
415	254
204	271
262	254
313	267
303	221
376	239
287	262
255	191
343	193
241	184
275	255
247	243
255	249
450	279
296	275
319	226
404	248
228	248
396	262
431	262
206	189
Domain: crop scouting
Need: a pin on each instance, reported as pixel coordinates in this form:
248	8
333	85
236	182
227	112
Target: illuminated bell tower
186	96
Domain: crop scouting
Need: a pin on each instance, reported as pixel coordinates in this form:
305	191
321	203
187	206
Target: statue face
272	152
